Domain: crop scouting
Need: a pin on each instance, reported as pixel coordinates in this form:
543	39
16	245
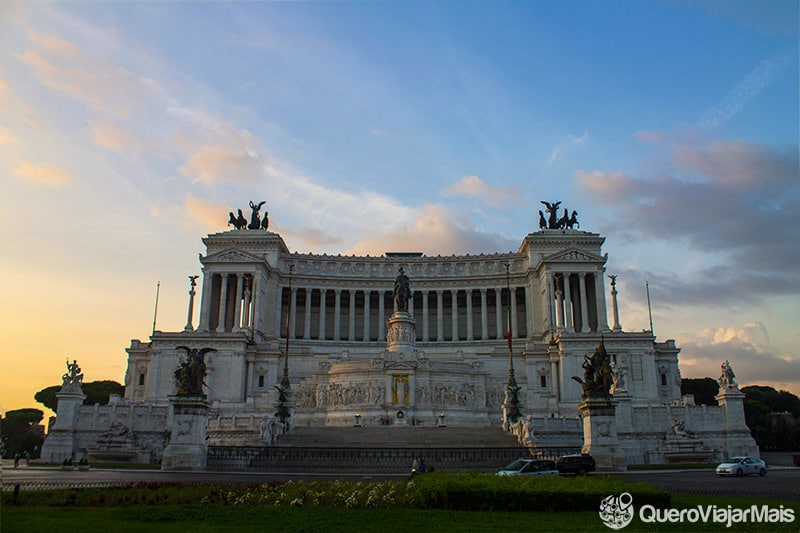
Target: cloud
62	66
6	137
562	148
473	186
767	70
776	17
112	136
203	213
436	230
218	152
308	238
42	174
735	199
747	348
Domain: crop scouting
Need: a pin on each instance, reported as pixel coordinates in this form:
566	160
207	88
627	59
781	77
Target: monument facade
426	336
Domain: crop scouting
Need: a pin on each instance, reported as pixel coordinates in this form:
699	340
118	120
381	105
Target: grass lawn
199	518
342	506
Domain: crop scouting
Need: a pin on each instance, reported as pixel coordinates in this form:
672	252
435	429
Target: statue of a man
402	291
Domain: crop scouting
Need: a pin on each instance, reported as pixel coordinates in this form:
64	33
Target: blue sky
129	130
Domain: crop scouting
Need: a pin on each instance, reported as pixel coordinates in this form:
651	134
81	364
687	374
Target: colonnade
441	314
577	301
228	302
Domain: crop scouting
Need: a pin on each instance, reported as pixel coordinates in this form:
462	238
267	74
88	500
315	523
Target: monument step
397	437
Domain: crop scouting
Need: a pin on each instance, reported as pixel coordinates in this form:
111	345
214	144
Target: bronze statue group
256	222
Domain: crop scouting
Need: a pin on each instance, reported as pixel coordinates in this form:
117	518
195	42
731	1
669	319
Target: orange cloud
62	66
109	135
6	137
436	230
494	196
42	174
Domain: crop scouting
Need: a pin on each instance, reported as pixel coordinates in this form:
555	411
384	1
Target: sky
129	130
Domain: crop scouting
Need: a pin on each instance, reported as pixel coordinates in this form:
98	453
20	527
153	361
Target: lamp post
511	411
285	388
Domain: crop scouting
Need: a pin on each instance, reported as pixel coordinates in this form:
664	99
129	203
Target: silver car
530	467
742	466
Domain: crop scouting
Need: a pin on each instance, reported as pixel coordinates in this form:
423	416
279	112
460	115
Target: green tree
97	392
704	390
47	397
21	432
765	413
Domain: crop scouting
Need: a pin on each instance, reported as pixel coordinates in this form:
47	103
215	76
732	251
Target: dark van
577	463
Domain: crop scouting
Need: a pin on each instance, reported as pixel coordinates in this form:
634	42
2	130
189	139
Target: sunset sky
129	130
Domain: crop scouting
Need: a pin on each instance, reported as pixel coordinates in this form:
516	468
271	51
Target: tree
47	397
97	392
21	432
704	390
772	417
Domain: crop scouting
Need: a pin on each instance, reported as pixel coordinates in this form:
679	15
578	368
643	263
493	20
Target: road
782	483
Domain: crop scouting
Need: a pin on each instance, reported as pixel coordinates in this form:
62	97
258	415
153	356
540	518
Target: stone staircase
373	450
398	437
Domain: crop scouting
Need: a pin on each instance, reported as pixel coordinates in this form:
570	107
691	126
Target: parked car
742	466
576	463
530	467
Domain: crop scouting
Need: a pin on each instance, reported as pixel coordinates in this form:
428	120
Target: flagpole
649	309
155	310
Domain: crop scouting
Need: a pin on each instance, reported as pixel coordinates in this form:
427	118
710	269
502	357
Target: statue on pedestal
402	291
73	379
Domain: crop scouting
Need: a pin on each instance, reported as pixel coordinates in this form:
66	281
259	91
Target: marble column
425	325
600	295
351	316
552	301
337	315
614	308
498	298
559	309
367	293
568	304
293	312
584	304
439	315
484	317
247	303
322	309
205	302
514	328
223	303
469	315
381	316
237	311
307	317
454	310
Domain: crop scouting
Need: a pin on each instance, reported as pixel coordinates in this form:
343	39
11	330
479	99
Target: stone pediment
230	256
572	256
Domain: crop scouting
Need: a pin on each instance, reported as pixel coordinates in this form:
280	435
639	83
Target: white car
530	467
741	466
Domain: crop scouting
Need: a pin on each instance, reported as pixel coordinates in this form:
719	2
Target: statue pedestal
401	334
738	440
187	448
600	434
60	442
